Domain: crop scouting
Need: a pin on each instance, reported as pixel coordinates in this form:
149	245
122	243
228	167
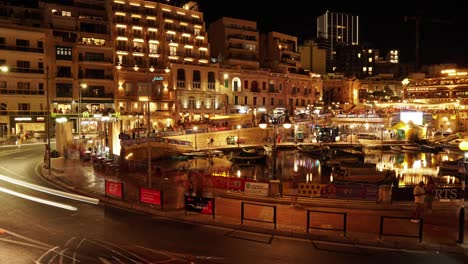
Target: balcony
21	48
26	70
21	91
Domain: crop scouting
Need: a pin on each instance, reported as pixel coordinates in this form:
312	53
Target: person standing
430	194
419	193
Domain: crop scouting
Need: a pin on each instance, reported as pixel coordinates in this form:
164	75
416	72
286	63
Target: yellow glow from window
203	48
165	10
185	35
135	4
200	37
151	18
154	41
150	6
119	14
138	40
188	46
195	16
168	21
137	27
122	38
121	26
181	13
174	44
171	32
188	59
136	16
183	24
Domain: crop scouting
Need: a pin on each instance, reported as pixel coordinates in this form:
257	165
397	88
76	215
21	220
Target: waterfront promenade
440	230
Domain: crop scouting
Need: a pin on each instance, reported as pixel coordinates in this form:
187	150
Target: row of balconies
154	12
100	94
20	48
196	85
242	37
250	57
135	22
134	9
21	91
23	112
26	70
83	57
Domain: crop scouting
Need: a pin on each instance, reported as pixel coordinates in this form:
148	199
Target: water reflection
292	166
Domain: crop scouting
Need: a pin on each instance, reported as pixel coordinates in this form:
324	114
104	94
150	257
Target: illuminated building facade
149	37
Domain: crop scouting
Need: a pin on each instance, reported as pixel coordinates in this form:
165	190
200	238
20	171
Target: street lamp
48	120
82	86
238	135
275	121
463	146
195	128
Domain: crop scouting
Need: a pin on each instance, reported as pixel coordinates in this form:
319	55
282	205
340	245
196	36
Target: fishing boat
312	150
249	156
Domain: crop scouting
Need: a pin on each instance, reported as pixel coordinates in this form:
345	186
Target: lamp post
149	137
195	128
238	135
48	120
275	121
461	225
82	86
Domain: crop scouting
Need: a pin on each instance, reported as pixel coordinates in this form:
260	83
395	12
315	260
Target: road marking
48	190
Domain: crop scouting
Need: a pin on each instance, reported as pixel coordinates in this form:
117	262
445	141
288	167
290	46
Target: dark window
196	76
64	90
180	74
22	43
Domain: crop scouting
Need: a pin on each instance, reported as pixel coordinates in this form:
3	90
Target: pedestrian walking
430	195
419	193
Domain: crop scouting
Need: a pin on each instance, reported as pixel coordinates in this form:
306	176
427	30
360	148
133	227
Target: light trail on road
39	200
48	190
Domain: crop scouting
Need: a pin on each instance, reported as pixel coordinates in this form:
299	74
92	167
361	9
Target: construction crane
418	19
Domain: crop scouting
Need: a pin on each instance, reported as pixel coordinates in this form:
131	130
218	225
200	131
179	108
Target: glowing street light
195	128
280	120
238	135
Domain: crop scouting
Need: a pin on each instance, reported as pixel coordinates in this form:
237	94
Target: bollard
461	226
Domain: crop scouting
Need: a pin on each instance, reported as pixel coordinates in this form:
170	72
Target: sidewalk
363	218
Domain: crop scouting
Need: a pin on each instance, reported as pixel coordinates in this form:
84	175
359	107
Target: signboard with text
150	196
256	188
114	189
199	204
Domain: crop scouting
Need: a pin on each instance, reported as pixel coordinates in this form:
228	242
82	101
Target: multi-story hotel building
151	37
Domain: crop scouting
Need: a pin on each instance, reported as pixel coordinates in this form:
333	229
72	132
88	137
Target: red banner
150	196
230	183
114	189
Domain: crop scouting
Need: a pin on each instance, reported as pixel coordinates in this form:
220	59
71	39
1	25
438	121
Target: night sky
444	29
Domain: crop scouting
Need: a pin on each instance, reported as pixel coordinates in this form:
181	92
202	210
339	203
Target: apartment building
235	42
80	63
280	52
22	77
